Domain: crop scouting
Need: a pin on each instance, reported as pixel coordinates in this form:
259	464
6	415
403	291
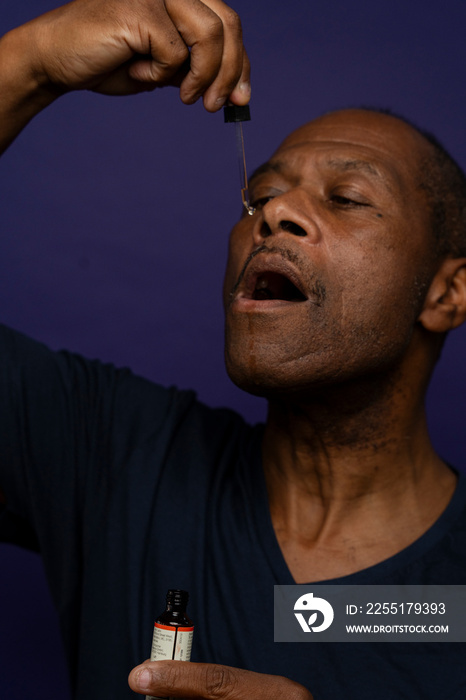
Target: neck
348	439
352	464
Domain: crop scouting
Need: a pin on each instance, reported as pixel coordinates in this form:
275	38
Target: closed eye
260	202
347	201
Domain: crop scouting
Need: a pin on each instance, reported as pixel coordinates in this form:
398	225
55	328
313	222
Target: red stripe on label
173	628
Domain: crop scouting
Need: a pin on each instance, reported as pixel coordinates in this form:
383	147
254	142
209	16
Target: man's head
444	184
350	258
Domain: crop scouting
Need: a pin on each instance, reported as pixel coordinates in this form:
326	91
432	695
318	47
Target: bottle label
170	642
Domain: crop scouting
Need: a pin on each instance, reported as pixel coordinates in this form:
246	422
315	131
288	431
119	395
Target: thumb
211	682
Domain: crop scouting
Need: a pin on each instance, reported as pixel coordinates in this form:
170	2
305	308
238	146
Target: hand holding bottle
185	679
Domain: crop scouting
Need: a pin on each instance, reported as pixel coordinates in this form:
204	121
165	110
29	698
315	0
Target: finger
202	30
242	91
211	682
164	49
121	83
234	69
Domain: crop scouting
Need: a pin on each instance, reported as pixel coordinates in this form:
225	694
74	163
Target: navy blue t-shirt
128	489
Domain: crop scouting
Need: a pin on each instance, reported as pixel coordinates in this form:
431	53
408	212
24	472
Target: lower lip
243	304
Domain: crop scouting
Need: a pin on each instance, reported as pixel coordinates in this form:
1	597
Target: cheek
239	247
378	273
376	293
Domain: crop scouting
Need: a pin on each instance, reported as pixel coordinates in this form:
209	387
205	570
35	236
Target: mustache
317	288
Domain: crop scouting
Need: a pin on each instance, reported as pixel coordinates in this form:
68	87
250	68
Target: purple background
115	214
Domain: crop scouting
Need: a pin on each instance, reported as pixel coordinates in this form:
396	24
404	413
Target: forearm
23	92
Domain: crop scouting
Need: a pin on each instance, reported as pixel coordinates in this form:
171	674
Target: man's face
324	283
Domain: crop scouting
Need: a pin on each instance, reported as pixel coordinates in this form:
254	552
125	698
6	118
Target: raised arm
117	47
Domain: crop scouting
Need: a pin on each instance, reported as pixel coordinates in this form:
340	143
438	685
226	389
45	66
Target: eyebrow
268	167
358	165
338	164
362	166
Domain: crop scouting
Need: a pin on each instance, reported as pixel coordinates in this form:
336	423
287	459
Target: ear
445	302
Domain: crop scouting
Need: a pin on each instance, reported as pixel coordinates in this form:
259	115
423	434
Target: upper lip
258	265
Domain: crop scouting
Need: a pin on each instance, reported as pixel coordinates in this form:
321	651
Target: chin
265	375
254	385
269	371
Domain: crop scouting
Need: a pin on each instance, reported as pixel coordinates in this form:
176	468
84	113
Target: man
338	293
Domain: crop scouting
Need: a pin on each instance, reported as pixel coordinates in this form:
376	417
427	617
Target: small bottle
173	632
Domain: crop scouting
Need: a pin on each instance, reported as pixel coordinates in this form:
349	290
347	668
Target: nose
290	213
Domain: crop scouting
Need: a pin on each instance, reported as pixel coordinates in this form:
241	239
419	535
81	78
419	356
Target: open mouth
273	285
275	277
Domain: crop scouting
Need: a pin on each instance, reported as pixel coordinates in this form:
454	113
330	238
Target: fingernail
190	99
220	101
144	679
245	88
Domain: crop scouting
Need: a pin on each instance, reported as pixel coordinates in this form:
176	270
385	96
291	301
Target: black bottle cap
234	113
175	596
